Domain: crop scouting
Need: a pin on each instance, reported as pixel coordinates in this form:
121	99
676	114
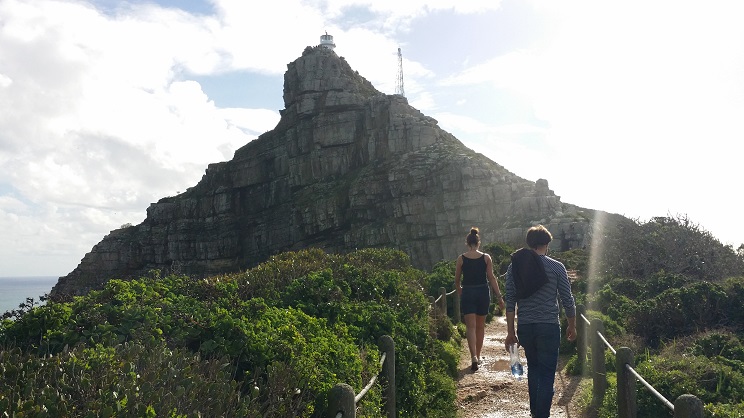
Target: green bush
671	244
713	382
732	311
500	256
127	380
679	311
576	259
727	410
718	343
290	329
442	275
608	407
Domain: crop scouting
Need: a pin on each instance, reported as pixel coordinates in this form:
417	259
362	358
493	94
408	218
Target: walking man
534	283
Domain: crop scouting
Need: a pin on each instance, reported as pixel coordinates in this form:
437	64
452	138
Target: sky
107	106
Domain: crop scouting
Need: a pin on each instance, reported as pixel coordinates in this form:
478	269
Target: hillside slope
346	167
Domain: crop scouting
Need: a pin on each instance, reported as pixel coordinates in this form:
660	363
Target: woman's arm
494	282
458	273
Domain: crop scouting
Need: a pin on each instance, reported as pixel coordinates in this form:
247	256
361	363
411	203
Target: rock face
346	167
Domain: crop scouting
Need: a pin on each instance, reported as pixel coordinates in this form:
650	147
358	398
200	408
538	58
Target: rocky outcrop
346	167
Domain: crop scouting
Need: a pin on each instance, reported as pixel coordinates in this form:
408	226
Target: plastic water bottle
516	364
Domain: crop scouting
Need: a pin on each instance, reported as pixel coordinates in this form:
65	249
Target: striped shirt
542	306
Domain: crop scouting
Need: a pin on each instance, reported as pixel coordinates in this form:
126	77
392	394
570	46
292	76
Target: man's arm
511	299
511	335
571	330
569	304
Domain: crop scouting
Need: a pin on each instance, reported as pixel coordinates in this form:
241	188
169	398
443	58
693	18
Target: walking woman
475	268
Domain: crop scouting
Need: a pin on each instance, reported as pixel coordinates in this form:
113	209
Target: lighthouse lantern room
327	41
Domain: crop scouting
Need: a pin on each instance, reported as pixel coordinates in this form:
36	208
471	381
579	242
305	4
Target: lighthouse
327	41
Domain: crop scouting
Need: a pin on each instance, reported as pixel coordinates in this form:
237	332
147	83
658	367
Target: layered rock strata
346	167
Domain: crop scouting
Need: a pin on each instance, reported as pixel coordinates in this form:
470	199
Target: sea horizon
15	289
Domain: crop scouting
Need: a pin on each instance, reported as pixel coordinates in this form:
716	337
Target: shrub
289	330
126	380
718	343
711	381
678	311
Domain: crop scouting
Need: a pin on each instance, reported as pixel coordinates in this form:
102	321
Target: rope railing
439	304
342	401
685	406
372	381
607	344
650	388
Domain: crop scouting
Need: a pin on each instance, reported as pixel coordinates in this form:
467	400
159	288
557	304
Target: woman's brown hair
473	239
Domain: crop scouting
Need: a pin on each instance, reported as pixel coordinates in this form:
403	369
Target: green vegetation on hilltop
271	341
673	294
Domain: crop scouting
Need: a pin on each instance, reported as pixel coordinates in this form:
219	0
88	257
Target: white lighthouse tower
327	41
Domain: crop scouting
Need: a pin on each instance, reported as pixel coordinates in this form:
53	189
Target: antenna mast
399	90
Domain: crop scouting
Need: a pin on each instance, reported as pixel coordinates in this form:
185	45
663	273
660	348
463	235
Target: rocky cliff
346	167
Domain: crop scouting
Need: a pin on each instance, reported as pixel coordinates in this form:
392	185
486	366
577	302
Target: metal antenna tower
399	90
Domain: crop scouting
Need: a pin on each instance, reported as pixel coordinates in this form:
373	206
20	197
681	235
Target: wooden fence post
443	301
581	331
387	345
341	399
688	406
599	370
626	385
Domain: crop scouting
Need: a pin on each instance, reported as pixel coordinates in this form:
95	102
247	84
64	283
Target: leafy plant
286	332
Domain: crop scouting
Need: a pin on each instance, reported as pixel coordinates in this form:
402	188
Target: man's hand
571	332
510	339
571	329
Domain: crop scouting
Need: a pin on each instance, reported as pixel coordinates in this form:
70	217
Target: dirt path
492	392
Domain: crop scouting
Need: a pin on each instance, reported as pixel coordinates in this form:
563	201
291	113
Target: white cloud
395	15
99	117
98	121
266	36
642	105
253	121
5	81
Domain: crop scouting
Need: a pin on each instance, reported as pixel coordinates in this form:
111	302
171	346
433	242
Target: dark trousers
540	343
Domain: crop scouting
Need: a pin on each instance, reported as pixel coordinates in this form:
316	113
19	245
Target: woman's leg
470	334
480	331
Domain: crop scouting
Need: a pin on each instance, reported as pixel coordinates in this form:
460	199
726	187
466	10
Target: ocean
15	290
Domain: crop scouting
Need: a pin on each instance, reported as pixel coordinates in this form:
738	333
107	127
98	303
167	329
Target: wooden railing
439	305
342	401
590	335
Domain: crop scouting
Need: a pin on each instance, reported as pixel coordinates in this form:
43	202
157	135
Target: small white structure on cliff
327	41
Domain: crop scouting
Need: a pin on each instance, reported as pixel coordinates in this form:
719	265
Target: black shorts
475	299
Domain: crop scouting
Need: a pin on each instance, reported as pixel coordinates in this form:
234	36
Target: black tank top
474	271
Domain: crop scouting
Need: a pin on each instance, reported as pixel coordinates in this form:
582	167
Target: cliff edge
346	167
